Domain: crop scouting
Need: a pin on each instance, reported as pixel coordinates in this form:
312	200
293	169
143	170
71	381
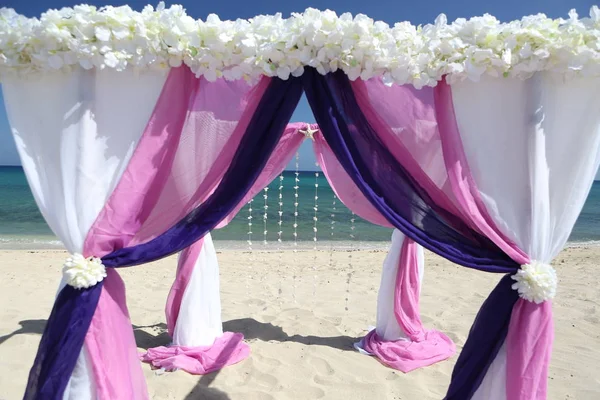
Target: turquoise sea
22	226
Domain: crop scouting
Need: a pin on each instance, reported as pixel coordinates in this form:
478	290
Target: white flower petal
102	33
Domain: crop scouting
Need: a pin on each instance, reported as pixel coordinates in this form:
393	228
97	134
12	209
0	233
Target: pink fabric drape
227	349
201	360
461	180
423	347
405	121
284	152
343	186
164	180
217	121
185	267
112	351
531	331
142	183
528	349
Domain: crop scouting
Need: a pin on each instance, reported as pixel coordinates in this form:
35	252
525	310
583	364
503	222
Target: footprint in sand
256	302
309	392
259	396
271	362
266	380
321	366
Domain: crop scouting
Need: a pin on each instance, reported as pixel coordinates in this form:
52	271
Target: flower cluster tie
536	282
82	273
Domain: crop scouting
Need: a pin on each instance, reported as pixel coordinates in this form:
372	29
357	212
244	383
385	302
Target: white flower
119	38
536	282
81	272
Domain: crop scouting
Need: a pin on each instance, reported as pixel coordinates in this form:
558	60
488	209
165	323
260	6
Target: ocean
22	225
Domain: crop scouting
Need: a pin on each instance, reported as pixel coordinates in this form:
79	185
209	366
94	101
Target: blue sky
390	11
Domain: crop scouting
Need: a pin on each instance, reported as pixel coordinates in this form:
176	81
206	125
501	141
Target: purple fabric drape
486	336
72	312
61	342
391	189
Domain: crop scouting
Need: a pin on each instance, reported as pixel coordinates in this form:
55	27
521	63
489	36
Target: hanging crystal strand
279	234
315	219
250	256
265	217
296	187
350	269
333	212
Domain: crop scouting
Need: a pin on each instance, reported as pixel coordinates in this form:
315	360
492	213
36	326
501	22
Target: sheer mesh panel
405	121
216	122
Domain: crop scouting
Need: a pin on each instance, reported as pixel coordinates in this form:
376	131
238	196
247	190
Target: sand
299	330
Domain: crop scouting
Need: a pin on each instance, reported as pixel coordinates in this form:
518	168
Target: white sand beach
302	341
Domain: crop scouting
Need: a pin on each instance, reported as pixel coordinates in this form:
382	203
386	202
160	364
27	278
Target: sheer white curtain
199	320
533	148
75	134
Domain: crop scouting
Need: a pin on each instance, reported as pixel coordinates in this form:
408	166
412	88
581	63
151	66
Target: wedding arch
478	140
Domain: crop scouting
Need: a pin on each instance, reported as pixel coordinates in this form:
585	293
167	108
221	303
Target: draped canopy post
193	309
156	209
399	339
449	217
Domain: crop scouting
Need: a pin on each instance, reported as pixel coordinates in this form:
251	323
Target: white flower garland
118	37
81	272
536	282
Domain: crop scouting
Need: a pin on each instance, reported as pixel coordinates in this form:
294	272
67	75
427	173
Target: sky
390	11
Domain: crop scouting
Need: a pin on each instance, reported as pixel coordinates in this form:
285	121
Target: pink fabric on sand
227	349
531	331
423	347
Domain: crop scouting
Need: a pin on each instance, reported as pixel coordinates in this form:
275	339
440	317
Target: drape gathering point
407	355
536	282
228	349
82	273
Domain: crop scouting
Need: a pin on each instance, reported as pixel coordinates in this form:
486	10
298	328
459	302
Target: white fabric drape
387	323
75	134
533	148
199	320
